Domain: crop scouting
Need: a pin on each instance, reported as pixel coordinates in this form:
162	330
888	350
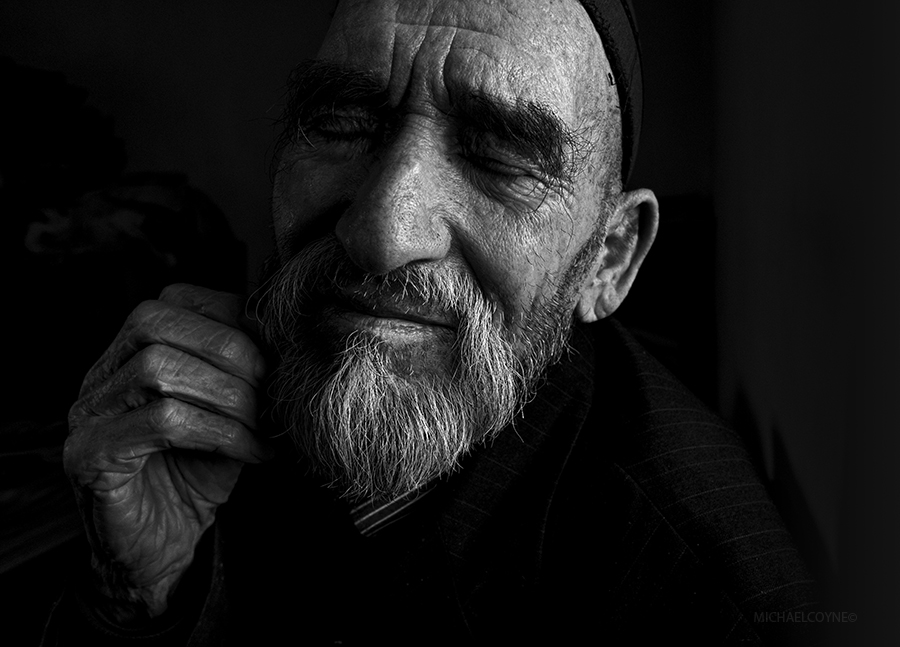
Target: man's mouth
379	311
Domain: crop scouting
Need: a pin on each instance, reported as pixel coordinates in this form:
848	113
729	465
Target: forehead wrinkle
405	31
521	39
511	69
428	66
546	52
458	15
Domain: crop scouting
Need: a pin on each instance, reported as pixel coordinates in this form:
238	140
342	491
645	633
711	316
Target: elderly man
475	464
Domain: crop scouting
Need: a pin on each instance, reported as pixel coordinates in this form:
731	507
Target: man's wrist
120	605
167	613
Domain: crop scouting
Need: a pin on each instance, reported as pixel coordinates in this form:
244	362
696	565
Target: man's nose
397	217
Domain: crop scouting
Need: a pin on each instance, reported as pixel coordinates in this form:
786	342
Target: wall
192	86
806	162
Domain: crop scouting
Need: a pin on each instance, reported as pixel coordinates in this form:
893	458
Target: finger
121	444
155	322
185	426
163	371
224	307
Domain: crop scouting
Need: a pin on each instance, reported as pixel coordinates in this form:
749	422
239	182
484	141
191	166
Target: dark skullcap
615	22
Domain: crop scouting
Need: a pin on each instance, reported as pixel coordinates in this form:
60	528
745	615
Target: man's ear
629	234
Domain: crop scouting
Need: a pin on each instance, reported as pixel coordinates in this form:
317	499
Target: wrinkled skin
424	198
165	419
157	438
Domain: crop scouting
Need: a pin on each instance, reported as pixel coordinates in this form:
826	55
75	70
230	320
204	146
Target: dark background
769	136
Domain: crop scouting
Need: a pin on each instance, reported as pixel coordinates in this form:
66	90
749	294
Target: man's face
437	207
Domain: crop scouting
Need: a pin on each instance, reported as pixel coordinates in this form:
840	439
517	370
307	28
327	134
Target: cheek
516	267
520	257
307	194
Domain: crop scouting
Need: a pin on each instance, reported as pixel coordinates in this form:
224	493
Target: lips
390	307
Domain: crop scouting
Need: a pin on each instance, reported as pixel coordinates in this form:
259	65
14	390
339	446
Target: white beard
353	407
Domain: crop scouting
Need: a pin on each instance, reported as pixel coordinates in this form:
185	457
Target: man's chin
371	430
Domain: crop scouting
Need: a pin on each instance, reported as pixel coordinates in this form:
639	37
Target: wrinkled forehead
541	50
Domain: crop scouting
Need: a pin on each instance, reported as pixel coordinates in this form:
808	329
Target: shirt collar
377	513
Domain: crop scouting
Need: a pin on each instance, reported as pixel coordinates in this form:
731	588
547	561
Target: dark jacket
616	508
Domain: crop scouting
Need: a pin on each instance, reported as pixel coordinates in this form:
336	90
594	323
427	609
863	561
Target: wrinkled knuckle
228	433
174	292
229	397
150	362
240	350
144	314
167	416
234	345
164	362
235	397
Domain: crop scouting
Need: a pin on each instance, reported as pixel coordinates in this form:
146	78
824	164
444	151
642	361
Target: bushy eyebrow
529	128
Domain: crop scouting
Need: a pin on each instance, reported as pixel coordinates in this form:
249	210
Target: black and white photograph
450	322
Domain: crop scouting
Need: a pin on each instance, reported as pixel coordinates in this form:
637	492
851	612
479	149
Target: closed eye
492	156
340	126
496	167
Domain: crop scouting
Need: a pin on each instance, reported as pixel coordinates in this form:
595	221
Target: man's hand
162	426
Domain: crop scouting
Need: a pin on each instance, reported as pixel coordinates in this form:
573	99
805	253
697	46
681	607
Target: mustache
361	419
323	274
